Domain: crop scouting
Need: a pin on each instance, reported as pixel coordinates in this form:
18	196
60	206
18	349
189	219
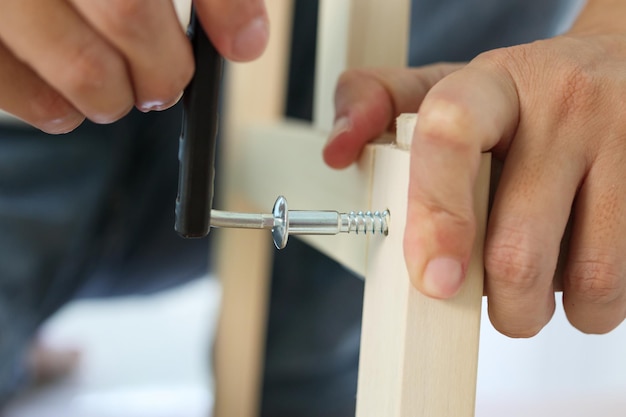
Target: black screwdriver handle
196	153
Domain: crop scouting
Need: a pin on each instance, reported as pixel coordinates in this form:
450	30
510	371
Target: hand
553	111
64	60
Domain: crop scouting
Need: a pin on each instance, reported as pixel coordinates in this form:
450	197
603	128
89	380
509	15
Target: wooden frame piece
418	355
240	338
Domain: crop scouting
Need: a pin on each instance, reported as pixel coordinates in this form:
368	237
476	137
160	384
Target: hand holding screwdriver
97	59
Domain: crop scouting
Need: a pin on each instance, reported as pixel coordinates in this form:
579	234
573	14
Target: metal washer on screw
280	231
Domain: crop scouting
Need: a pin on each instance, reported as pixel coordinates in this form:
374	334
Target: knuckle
457	219
123	18
576	89
362	88
344	83
350	79
444	121
89	71
134	27
595	281
95	80
348	76
520	61
48	104
518	57
128	9
572	88
514	261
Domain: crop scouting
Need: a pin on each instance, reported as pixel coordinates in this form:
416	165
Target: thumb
368	101
466	113
239	29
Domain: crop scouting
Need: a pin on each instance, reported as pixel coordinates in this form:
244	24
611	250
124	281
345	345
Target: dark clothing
86	214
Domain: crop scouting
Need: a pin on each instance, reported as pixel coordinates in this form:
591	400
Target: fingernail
63	124
158	105
250	41
340	126
442	277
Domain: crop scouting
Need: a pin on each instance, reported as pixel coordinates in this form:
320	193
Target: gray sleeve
458	30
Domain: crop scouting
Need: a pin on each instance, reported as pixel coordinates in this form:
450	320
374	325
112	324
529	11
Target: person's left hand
554	111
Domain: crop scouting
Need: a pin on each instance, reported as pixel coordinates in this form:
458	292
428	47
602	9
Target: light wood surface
298	173
379	33
418	355
237	367
331	58
254	92
356	34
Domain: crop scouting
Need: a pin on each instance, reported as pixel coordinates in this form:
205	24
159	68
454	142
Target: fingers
527	221
239	29
594	293
28	97
99	58
52	39
557	128
467	112
368	101
157	53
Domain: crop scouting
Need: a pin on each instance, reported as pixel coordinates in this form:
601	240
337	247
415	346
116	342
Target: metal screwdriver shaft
283	222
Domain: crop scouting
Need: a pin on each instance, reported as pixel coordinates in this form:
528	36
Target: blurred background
149	356
140	356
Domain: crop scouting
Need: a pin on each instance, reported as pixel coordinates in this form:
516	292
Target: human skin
62	61
553	112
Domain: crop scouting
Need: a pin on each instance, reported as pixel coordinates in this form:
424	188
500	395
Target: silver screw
283	222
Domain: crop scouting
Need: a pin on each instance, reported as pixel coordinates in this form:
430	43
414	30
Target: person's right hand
552	112
62	61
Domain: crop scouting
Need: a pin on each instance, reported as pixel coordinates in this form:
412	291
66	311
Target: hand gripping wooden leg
418	355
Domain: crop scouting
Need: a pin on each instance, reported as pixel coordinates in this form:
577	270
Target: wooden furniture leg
419	356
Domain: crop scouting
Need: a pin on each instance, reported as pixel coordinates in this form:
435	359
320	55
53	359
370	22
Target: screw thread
366	222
